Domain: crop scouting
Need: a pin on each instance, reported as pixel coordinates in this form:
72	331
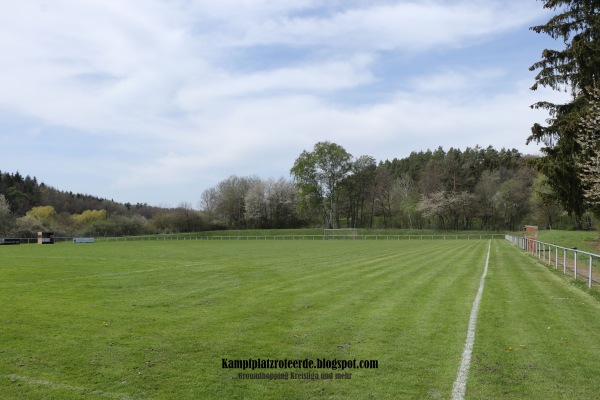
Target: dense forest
476	188
27	207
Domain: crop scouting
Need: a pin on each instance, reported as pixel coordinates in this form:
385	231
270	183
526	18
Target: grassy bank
536	336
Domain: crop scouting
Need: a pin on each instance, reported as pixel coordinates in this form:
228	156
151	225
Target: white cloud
412	26
448	80
314	78
180	85
110	66
267	134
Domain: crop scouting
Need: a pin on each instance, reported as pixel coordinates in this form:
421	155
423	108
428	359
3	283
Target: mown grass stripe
72	388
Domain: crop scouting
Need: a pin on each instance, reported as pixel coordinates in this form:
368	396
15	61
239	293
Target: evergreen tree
575	68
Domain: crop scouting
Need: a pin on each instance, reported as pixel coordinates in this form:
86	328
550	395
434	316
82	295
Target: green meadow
167	320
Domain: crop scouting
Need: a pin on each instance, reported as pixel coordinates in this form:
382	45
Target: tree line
484	189
476	188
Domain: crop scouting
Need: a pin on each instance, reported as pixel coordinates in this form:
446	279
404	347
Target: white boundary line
460	384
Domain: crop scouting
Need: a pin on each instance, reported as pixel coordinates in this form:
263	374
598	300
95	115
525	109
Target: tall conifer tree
575	68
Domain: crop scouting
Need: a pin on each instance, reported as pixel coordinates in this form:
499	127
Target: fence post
590	277
564	261
530	246
575	253
543	253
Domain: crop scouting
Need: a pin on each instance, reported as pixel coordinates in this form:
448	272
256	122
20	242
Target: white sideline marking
460	384
53	385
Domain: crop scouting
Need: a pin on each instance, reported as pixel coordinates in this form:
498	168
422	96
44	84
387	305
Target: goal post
340	233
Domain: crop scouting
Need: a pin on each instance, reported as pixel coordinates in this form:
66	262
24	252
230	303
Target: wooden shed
531	232
45	237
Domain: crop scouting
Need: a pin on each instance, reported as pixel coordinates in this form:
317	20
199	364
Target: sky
155	101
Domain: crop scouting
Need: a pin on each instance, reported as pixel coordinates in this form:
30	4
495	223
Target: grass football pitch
179	320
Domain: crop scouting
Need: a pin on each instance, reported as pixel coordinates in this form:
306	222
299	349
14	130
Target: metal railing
582	265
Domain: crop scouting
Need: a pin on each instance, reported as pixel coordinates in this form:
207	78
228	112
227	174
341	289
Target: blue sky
156	101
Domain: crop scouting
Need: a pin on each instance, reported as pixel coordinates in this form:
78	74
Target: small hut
531	232
45	237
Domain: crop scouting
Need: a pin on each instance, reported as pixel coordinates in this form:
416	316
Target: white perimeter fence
158	238
579	264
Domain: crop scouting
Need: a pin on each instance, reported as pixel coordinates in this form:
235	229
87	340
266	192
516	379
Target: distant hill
24	193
